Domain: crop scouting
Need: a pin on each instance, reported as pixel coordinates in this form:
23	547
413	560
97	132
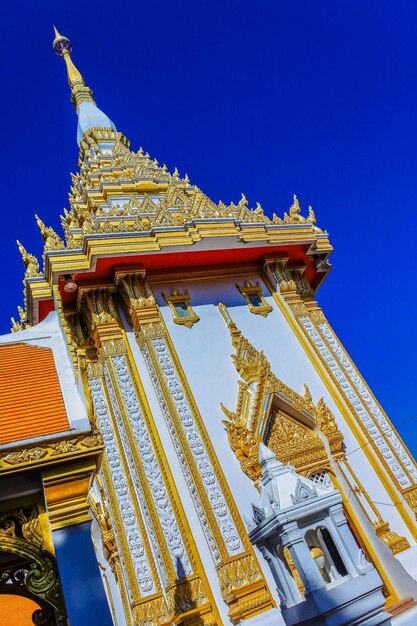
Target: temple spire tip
89	115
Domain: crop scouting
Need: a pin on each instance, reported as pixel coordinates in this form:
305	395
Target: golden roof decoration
22	323
328	426
118	190
31	263
62	46
51	240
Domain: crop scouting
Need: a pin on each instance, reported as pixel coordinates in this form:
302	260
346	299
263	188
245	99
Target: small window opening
255	300
181	309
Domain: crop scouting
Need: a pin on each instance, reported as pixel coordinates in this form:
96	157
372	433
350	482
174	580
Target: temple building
183	438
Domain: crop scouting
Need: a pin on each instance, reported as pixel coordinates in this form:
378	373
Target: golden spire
62	46
89	115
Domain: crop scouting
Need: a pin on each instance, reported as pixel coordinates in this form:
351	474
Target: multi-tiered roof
125	206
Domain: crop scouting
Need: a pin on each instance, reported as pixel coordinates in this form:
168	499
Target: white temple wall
176	472
205	353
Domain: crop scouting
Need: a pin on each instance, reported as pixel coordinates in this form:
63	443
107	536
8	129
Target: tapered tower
180	333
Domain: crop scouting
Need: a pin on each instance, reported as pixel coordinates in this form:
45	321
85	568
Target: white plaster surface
406	619
204	352
90	116
408	559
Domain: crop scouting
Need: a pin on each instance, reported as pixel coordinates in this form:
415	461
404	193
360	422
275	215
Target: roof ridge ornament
51	240
31	263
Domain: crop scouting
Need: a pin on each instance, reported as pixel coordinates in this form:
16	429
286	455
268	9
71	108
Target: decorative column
154	543
286	585
292	539
66	488
241	581
328	427
368	416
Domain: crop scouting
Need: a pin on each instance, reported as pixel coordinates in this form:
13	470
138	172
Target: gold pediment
267	410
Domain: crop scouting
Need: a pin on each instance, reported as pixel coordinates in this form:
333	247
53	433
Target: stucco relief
130	526
133	474
190	483
356	403
201	458
370	402
150	465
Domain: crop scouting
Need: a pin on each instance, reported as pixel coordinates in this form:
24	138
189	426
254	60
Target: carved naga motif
30	262
51	240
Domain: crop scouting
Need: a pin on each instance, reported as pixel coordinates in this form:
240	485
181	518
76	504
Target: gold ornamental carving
188	601
254	298
101	513
21	535
327	424
243	587
51	240
395	543
30	262
24	456
294	443
410	496
100	314
140	306
72	346
137	298
267	410
46	453
181	309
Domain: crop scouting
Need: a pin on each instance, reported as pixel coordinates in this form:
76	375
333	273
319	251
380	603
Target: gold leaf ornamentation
30	262
24	456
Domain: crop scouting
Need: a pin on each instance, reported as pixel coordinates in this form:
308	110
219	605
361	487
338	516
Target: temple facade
183	437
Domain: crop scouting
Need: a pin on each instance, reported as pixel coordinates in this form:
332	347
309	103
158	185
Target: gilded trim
174	300
254	298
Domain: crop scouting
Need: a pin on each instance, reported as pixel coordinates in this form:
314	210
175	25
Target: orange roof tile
17	610
31	402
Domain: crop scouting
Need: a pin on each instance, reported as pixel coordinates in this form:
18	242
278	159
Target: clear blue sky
271	98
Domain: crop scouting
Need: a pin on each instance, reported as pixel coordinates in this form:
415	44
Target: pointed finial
30	262
311	215
40	223
307	394
89	115
50	239
62	46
